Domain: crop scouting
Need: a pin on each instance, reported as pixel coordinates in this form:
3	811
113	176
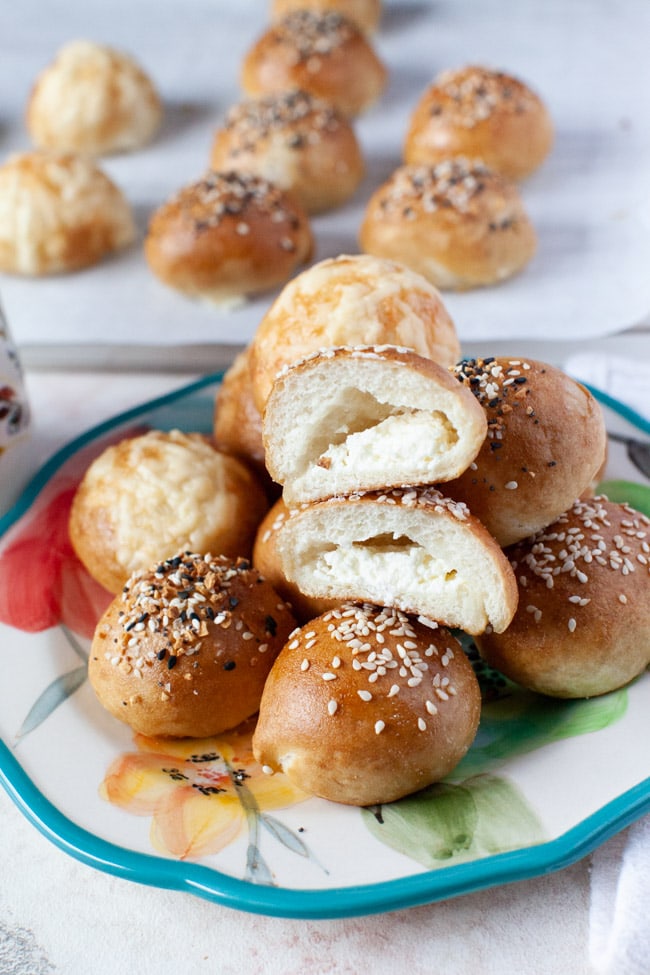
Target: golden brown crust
457	223
481	114
583	623
185	649
58	213
546	441
93	99
226	236
237	421
366	14
152	495
350	300
266	559
322	53
300	143
365	705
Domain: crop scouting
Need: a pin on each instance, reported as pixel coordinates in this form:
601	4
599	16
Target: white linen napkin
626	380
619	915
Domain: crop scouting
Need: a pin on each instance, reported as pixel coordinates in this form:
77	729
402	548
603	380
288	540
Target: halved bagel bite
410	549
361	418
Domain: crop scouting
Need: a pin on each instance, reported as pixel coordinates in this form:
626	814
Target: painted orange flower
201	793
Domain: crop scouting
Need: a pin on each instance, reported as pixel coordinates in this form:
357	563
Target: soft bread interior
417	559
361	420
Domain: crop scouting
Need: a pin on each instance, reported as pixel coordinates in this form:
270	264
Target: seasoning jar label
15	419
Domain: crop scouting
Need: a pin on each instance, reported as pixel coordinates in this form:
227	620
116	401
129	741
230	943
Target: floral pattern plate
544	783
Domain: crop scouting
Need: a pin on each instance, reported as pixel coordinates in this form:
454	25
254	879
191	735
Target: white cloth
619	917
626	380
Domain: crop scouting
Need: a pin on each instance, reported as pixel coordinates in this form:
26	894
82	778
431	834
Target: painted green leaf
524	722
53	695
74	643
284	835
505	820
257	871
636	495
431	826
449	823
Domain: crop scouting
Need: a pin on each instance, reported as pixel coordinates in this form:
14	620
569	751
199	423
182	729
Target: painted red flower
42	582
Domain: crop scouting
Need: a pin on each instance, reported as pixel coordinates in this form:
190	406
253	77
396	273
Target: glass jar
15	421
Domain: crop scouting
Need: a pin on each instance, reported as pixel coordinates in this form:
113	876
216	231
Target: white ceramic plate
544	783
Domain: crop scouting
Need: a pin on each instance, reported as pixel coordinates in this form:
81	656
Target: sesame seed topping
181	601
557	551
311	36
379	727
298	117
332	707
471	95
388	667
594	535
267	770
427	622
457	184
499	387
424	497
216	197
536	612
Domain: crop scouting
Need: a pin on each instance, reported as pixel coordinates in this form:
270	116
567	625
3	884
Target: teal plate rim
210	884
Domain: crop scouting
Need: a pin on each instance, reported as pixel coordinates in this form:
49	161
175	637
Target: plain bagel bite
94	100
185	649
582	627
59	212
350	300
150	496
365	705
